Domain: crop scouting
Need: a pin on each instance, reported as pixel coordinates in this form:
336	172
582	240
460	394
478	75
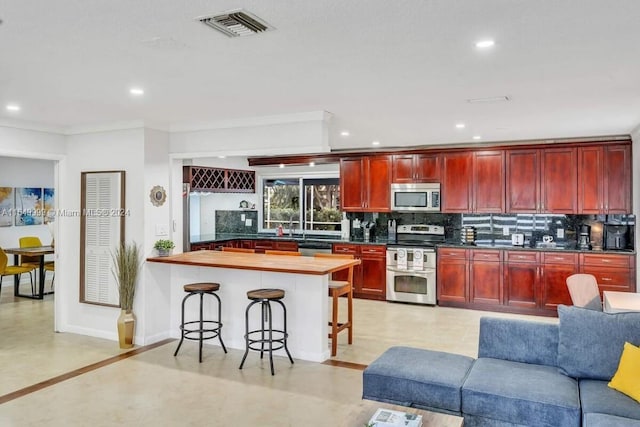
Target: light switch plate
162	230
505	230
560	233
242	217
248	222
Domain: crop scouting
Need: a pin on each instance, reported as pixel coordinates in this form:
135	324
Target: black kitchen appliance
616	237
584	237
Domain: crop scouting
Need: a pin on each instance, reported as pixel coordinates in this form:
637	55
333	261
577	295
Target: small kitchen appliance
468	235
411	264
584	237
616	236
391	230
517	239
368	232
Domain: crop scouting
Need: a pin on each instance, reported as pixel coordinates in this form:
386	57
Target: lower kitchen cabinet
521	281
452	276
485	277
370	277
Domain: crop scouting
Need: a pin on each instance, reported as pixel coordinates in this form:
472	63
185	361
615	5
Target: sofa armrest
519	341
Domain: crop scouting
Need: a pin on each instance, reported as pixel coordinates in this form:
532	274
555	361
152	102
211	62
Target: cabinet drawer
481	255
521	256
624	261
610	277
380	251
559	258
339	248
201	246
448	253
286	246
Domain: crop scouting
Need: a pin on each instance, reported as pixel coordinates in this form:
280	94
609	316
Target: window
301	204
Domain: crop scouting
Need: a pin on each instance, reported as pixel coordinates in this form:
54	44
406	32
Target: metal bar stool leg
220	320
181	325
286	334
246	333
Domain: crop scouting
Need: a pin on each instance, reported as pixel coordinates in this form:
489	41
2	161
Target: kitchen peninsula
304	279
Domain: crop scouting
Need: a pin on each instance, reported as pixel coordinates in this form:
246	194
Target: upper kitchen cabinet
410	168
456	182
542	180
604	177
488	182
473	182
365	184
219	180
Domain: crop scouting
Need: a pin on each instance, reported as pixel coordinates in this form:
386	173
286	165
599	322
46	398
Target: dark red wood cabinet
365	184
485	277
488	183
559	180
456	182
556	267
523	180
370	277
410	168
452	276
521	279
604	177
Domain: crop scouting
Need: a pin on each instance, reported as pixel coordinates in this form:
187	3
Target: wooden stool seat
338	288
201	287
201	329
265	294
266	338
286	253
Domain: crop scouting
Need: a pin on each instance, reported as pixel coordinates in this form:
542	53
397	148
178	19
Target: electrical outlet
505	230
162	230
560	233
248	222
242	217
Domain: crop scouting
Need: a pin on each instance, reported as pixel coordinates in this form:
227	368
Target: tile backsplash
237	221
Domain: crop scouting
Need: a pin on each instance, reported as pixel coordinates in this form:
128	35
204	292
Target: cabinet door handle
606	279
606	260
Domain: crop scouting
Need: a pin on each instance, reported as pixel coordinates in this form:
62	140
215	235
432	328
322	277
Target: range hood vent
236	23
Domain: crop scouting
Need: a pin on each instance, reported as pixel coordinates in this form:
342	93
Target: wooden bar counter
304	279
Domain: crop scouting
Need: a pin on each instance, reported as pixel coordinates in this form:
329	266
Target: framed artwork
28	206
6	206
49	200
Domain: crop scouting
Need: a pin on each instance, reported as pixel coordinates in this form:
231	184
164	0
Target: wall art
28	207
6	206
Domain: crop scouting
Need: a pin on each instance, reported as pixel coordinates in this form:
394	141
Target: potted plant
126	265
164	247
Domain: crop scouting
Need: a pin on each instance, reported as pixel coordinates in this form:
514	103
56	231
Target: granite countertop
318	239
324	240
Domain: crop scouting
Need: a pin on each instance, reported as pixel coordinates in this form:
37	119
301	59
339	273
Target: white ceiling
395	71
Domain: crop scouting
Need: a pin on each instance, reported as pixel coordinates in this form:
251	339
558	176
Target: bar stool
338	288
212	327
266	332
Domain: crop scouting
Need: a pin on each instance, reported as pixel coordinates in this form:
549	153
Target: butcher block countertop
260	262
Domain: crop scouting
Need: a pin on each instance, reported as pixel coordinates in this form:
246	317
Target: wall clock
158	196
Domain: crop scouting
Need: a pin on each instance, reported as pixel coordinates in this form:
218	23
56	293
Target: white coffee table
361	415
619	302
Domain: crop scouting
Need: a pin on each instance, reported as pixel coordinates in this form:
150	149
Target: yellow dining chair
30	242
13	270
52	268
338	288
275	252
241	250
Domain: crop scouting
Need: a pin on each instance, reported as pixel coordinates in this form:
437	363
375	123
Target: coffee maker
616	236
584	237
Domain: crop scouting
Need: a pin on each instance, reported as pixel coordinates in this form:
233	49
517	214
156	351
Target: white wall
104	151
17	172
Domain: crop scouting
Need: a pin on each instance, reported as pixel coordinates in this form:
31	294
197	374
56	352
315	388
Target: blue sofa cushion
590	342
518	341
521	393
605	420
597	397
416	377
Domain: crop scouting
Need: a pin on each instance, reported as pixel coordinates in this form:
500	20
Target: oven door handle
416	272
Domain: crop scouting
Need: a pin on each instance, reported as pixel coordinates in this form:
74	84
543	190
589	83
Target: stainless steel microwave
420	197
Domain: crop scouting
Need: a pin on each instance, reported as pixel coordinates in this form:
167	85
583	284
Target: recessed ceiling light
312	164
477	137
460	125
13	107
281	165
136	91
222	157
483	44
345	133
490	99
375	143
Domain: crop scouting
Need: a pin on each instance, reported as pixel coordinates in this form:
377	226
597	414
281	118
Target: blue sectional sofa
526	374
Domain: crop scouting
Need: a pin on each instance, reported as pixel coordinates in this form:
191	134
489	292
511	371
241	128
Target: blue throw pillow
590	342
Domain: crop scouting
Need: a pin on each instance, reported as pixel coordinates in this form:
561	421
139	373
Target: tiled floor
154	388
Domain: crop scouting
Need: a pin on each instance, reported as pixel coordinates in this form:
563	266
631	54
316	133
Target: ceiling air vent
236	23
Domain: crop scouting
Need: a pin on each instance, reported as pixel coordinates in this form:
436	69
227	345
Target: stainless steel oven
411	275
411	264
